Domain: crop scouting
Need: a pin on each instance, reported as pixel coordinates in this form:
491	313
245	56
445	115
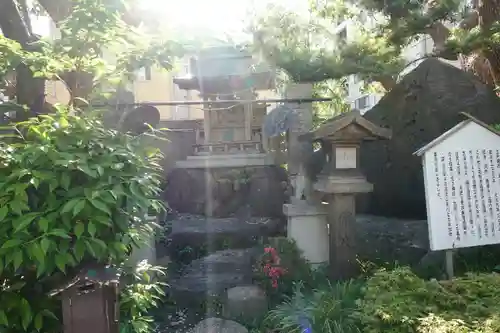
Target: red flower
270	266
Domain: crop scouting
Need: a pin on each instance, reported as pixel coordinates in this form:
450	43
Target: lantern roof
349	126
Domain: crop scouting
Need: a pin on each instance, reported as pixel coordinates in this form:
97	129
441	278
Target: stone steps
212	275
194	236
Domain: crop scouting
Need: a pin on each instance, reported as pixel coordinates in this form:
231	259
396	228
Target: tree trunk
489	13
30	91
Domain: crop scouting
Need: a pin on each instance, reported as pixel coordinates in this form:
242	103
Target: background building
347	31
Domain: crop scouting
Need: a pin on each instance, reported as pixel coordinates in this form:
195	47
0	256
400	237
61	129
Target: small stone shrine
340	181
462	186
230	170
231	133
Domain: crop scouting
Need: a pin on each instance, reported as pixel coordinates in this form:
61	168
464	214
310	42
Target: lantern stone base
307	226
340	194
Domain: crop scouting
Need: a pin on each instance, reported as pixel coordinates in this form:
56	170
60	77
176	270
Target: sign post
462	188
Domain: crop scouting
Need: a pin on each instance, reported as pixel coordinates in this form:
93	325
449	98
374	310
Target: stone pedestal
307	226
340	194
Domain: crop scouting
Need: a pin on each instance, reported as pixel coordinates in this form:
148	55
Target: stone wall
256	191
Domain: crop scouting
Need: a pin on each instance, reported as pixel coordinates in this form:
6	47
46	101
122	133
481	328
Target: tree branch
58	10
12	24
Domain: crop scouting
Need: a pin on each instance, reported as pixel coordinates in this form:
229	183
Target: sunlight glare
221	16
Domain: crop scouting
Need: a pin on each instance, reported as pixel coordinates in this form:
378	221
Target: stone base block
245	302
308	227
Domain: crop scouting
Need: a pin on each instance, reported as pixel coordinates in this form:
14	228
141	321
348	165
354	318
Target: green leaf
39	321
38	253
60	233
79	249
18	259
89	172
43	223
35	182
65	181
102	220
61	261
11	243
3	319
79	229
90	249
45	245
134	189
3	212
79	207
23	222
18	206
50	314
69	206
91	229
40	269
26	314
101	206
99	243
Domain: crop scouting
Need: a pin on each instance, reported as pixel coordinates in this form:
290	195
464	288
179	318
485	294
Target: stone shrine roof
342	121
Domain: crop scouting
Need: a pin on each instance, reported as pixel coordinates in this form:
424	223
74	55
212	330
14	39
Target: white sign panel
345	157
463	197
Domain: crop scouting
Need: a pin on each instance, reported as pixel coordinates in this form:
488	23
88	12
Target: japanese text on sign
464	193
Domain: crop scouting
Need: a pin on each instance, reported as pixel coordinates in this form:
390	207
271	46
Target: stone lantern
340	180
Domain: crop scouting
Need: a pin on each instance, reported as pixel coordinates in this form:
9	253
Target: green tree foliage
384	29
88	30
73	193
337	91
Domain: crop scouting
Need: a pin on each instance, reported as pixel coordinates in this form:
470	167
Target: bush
72	193
399	301
142	291
296	269
326	310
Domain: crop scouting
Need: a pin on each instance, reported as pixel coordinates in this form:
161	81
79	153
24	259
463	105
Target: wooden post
206	121
449	264
248	116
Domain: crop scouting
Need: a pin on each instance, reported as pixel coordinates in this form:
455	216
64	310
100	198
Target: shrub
295	268
142	291
71	193
325	310
399	301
